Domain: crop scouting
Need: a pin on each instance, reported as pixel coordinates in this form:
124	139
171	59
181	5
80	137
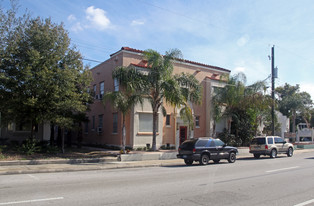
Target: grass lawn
12	153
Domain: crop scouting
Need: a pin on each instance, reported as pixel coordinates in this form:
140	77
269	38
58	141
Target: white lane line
305	203
32	176
288	168
30	201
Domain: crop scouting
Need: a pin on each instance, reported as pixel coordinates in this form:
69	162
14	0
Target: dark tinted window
201	143
212	143
278	140
188	144
259	141
270	140
218	142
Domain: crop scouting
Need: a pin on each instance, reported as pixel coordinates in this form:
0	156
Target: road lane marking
305	203
32	176
288	168
31	201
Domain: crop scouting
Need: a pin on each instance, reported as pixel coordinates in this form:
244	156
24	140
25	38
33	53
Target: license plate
184	156
257	147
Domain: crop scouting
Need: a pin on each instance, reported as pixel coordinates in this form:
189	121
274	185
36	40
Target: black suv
204	149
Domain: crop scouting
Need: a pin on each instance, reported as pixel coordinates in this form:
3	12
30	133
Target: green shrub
30	146
52	149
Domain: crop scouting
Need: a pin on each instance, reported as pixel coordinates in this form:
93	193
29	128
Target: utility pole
273	90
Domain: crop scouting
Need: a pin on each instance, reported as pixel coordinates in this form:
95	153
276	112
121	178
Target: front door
183	134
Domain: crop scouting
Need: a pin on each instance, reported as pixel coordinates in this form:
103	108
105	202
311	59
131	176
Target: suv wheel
290	152
232	157
257	156
204	159
273	153
188	162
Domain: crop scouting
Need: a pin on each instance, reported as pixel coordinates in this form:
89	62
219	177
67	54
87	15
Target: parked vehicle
204	149
270	145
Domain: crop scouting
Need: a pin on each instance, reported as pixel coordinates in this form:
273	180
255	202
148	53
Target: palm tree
163	86
159	84
242	105
125	99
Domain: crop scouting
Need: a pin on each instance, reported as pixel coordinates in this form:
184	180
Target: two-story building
105	124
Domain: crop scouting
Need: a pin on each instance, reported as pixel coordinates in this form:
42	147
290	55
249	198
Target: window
197	121
201	143
278	140
115	123
100	120
270	140
219	143
168	120
116	84
259	141
93	122
146	122
95	89
101	88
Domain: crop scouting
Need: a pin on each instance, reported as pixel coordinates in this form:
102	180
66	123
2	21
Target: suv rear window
201	143
259	141
188	144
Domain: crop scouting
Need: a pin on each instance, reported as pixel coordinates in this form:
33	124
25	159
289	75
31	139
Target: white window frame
197	121
116	84
146	123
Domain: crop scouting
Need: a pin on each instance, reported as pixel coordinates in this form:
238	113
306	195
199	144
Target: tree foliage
292	102
124	99
41	77
245	107
159	86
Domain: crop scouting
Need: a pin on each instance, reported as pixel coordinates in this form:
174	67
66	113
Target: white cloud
137	22
307	87
97	18
243	40
239	69
71	18
77	27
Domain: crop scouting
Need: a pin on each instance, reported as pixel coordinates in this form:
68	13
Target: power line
188	17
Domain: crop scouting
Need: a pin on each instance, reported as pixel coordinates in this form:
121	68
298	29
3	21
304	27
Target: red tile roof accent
139	65
181	60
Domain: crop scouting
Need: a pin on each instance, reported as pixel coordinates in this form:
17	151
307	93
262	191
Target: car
270	145
204	149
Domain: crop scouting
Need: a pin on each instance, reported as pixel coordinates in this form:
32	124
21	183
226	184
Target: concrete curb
58	161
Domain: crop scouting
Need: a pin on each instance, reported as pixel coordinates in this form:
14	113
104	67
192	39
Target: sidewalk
61	165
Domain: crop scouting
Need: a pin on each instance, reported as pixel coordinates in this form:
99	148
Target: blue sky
233	34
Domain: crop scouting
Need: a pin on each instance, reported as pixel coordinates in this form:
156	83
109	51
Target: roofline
128	49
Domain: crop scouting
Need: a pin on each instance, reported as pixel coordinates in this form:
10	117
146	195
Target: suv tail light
266	146
194	150
250	148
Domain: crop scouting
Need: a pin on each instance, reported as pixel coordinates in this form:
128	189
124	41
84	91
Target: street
265	181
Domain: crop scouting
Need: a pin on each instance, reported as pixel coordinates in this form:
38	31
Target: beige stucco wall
166	134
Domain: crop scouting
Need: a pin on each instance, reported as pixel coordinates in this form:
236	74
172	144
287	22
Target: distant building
105	124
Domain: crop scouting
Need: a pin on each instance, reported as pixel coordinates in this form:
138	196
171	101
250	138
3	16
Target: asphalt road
280	181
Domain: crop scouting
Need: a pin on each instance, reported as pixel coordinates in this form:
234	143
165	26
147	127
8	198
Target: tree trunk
59	137
62	141
155	123
79	136
52	134
69	138
214	128
293	124
123	135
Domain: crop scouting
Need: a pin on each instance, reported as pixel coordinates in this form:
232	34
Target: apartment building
105	123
